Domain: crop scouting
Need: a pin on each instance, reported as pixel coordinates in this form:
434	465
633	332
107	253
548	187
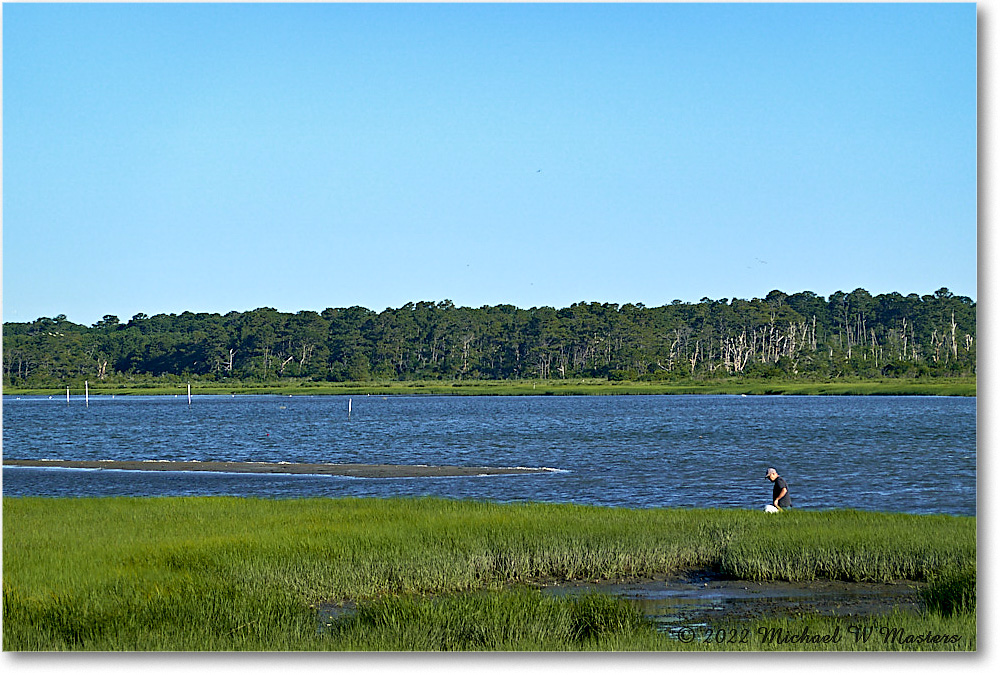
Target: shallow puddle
701	599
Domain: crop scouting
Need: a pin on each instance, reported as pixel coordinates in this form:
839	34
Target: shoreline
957	386
350	470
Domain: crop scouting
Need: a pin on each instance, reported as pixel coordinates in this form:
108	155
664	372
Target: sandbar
354	470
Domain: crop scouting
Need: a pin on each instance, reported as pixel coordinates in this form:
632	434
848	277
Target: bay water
910	454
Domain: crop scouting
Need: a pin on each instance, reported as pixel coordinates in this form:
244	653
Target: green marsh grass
953	590
524	620
959	386
513	620
220	573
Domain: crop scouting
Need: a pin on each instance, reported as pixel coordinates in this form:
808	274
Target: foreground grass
212	573
522	620
735	386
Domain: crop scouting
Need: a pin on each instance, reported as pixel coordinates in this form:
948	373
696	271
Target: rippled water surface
911	454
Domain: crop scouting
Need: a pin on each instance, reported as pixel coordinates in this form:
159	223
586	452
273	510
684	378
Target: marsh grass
958	386
526	620
512	620
219	573
952	591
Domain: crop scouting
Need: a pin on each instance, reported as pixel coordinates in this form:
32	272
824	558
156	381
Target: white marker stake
189	393
349	402
67	394
86	392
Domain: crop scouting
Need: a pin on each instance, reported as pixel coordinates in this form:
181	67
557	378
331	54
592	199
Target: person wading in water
779	492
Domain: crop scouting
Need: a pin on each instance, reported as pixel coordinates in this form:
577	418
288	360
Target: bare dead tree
694	357
466	340
307	350
954	342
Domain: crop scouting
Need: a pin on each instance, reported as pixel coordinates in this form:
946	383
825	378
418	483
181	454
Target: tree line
802	335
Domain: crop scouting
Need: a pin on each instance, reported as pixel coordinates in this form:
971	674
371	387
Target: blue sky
163	158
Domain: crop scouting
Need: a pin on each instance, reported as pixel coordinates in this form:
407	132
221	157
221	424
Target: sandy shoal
354	470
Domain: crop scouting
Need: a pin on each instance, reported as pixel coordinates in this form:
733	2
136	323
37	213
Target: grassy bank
845	387
212	573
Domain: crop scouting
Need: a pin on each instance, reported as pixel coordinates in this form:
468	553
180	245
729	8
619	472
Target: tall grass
953	590
221	573
518	620
515	620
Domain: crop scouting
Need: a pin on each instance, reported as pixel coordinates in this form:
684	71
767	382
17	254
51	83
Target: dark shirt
780	483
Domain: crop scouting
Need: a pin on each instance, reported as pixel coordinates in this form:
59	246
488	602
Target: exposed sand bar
355	470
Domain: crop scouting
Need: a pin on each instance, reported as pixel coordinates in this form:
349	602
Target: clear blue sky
163	158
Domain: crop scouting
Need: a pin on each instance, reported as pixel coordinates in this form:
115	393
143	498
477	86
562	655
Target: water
700	600
905	454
